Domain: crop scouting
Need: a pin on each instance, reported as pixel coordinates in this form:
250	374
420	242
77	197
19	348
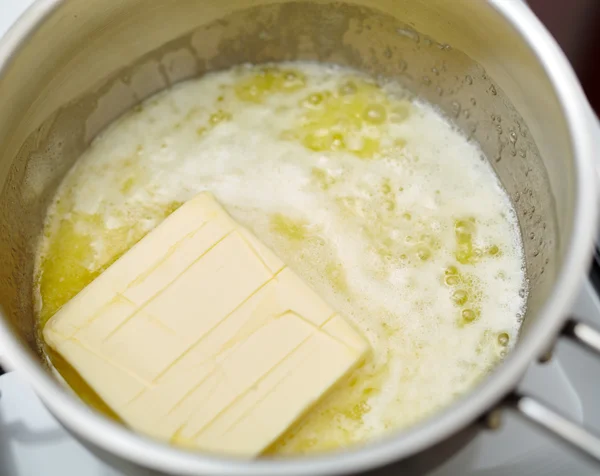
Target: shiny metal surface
557	425
69	67
584	335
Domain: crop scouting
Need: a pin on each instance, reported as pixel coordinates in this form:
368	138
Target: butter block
201	336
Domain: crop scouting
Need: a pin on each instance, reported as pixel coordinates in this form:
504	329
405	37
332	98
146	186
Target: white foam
438	177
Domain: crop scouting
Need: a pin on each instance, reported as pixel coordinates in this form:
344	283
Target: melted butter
352	117
375	200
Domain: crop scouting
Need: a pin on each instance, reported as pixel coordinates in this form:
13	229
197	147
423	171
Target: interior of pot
91	61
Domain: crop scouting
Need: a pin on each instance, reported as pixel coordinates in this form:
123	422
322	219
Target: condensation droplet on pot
536	253
468	79
531	235
402	65
440	91
492	90
473	101
387	52
513	137
410	34
522	153
455	108
466	114
542	270
444	46
426	81
483	75
263	35
427	42
498	119
435	71
513	152
547	261
499	129
517	196
472	131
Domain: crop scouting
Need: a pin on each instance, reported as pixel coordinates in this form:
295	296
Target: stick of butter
201	336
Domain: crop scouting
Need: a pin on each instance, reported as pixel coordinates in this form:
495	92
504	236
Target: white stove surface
32	443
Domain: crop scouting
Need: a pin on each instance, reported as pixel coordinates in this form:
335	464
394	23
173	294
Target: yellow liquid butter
370	196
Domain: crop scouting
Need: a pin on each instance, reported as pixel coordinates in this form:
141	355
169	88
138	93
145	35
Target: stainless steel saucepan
69	67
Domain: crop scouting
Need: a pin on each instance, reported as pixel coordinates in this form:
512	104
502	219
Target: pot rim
111	437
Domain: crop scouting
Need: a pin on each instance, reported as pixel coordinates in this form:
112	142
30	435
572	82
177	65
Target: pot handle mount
541	414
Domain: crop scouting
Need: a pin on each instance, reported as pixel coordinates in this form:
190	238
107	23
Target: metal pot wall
69	67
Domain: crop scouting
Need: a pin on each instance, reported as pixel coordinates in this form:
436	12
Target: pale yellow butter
201	336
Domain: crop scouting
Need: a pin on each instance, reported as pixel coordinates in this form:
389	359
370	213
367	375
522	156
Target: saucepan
69	67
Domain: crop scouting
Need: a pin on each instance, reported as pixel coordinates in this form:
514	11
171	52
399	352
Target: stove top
32	443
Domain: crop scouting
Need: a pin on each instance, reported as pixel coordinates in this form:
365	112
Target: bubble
469	315
219	116
348	88
424	253
375	114
464	230
460	297
451	271
452	280
315	99
503	339
337	141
